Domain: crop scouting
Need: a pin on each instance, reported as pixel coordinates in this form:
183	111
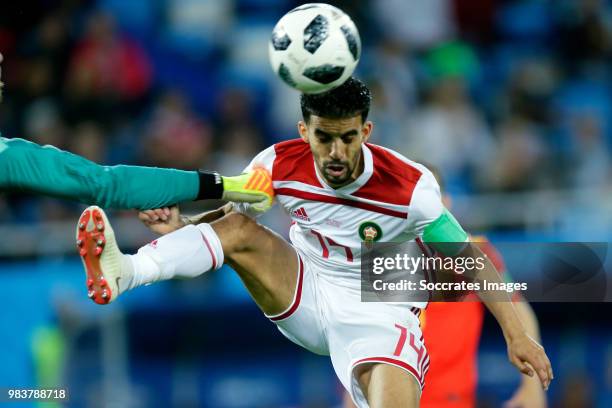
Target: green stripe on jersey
445	234
3	145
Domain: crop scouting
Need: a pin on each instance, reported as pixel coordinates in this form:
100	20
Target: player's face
336	146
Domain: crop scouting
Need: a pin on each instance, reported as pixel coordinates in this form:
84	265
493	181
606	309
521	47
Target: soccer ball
314	47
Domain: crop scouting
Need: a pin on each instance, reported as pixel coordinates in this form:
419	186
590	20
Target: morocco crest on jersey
370	232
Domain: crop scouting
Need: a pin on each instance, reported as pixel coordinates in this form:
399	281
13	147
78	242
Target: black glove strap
211	185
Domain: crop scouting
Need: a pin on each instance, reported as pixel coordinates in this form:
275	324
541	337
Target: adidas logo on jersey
301	214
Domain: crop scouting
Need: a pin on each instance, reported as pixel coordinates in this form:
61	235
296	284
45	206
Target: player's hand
162	220
529	357
528	395
254	187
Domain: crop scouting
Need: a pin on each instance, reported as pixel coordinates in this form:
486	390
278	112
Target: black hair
349	99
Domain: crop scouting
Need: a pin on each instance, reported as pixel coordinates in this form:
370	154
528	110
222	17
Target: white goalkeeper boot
102	259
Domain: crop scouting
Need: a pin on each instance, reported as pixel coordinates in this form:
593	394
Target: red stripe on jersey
294	162
321	242
392	181
347	250
341	201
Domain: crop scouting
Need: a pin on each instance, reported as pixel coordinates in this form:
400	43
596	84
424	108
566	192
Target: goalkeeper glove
254	187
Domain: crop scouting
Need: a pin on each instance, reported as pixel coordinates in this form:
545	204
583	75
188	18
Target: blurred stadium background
512	100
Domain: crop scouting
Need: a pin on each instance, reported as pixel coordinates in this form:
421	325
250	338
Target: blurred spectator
44	124
475	19
235	108
197	27
38	78
88	140
175	136
388	116
525	24
530	89
106	68
394	87
520	159
585	34
577	392
285	111
49	48
239	147
591	163
579	97
516	162
237	130
448	130
415	24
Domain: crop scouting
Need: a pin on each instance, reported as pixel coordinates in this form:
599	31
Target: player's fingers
159	213
166	211
544	379
551	374
523	367
546	366
147	216
542	371
156	215
546	370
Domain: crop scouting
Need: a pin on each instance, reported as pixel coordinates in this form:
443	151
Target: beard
337	172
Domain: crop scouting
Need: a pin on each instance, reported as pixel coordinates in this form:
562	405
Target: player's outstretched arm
28	167
523	351
448	238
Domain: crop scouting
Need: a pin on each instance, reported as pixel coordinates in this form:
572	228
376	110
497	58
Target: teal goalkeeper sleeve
28	167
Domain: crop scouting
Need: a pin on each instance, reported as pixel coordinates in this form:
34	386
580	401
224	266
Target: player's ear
303	130
366	131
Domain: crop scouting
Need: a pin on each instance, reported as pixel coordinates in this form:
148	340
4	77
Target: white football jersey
393	200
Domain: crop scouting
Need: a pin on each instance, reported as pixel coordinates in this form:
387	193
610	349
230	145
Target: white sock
185	253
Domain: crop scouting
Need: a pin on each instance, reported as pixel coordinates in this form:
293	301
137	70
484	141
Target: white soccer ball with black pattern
314	47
